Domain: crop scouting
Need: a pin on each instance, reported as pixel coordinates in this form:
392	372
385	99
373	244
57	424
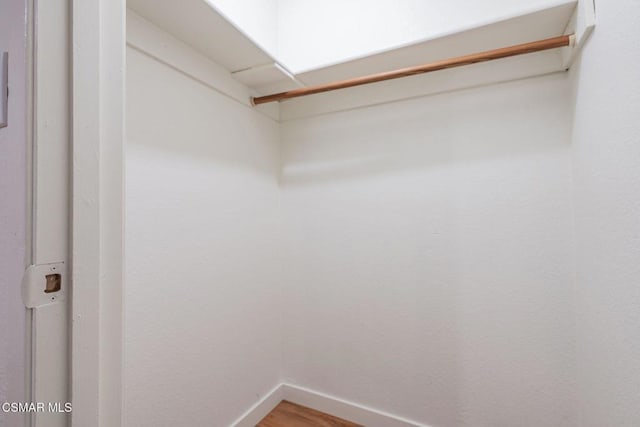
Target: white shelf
535	25
202	26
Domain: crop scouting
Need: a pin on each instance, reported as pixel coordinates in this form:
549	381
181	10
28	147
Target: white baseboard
340	408
261	409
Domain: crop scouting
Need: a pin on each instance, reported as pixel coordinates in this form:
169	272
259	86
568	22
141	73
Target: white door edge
46	283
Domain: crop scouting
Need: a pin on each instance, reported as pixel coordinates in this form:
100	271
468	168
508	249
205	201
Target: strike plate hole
54	283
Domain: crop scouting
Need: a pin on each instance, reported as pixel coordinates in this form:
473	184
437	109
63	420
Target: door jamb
97	204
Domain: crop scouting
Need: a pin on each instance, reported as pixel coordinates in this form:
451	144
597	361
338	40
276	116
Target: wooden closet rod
459	61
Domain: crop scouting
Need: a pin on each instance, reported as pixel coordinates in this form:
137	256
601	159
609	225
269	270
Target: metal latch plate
44	284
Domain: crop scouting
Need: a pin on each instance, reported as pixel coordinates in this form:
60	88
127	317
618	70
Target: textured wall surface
464	259
606	155
13	214
203	303
429	248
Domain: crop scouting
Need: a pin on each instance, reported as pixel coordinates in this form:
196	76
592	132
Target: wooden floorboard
288	414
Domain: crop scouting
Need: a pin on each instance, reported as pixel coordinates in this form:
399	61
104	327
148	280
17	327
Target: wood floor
288	414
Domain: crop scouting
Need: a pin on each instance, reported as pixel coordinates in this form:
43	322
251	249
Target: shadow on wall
472	125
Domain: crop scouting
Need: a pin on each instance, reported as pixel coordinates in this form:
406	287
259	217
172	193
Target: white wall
13	214
606	155
465	259
203	303
429	268
313	33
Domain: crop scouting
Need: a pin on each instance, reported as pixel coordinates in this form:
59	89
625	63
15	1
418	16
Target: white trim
344	409
335	406
261	409
97	202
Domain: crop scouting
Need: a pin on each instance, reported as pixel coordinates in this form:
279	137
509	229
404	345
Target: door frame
98	98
